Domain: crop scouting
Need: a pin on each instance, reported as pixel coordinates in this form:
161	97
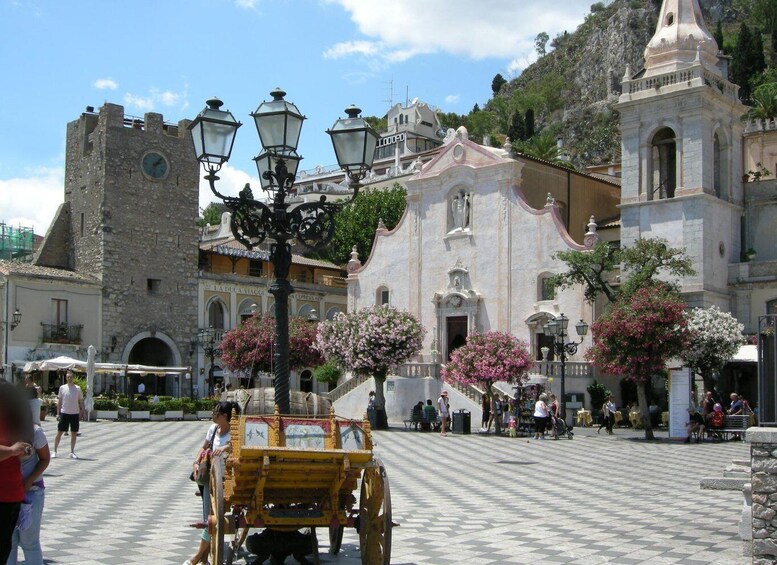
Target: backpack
717	420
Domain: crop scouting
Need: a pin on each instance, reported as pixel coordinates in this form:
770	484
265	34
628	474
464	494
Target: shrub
139	406
188	406
158	408
204	404
105	404
173	404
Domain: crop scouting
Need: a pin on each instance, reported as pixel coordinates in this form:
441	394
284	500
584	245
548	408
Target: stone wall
763	454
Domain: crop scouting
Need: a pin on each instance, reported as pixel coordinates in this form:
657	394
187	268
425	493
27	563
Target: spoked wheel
217	511
335	539
375	516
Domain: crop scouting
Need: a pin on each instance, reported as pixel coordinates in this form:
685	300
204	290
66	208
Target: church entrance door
456	331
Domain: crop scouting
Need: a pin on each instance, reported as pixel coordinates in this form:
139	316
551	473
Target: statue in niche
460	206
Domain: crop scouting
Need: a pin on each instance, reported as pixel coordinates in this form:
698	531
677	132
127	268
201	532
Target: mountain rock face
592	62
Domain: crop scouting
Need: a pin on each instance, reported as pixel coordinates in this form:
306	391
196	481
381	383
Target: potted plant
189	409
139	410
158	410
106	409
204	408
173	410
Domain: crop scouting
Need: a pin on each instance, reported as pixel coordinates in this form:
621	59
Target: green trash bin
462	422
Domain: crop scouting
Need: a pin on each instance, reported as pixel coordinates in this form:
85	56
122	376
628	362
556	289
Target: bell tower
682	145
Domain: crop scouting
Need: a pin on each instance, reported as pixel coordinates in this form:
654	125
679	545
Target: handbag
202	475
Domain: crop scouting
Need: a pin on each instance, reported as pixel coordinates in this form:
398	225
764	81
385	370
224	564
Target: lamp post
563	348
207	339
311	224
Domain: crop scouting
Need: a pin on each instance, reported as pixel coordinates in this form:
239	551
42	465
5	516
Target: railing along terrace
679	77
346	387
61	333
419	370
572	369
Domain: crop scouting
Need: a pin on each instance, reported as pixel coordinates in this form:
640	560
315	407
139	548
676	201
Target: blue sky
169	56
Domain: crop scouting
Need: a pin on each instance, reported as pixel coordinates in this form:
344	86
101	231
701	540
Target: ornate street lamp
558	329
207	339
17	319
278	123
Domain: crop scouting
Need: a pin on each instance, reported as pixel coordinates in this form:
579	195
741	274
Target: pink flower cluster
372	340
488	358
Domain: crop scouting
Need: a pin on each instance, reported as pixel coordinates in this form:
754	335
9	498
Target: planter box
174	415
157	417
190	417
204	414
106	414
139	415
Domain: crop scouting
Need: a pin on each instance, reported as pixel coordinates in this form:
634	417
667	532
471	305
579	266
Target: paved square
460	499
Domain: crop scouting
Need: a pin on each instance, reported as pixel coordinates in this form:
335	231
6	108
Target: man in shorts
70	408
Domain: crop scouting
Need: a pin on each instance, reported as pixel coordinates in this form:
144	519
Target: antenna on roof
407	96
391	93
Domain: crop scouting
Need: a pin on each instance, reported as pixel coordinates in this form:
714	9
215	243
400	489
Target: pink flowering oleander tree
487	358
371	341
638	336
248	349
714	338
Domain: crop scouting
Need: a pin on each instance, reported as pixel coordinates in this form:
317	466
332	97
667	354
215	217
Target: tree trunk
644	410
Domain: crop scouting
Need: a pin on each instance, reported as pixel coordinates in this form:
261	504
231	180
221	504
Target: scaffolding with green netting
16	243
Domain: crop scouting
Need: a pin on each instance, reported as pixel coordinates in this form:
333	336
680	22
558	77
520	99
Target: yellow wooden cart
291	472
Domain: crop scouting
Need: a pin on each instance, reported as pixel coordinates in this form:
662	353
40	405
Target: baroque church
476	241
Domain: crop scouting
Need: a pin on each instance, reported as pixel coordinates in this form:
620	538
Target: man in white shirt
141	388
70	409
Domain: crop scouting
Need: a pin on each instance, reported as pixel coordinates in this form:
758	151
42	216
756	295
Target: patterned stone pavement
460	499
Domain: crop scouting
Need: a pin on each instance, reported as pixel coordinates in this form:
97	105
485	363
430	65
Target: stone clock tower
682	147
131	203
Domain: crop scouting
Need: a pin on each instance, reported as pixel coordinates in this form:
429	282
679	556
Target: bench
734	425
422	422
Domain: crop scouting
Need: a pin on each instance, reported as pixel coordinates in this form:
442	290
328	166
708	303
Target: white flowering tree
714	338
371	341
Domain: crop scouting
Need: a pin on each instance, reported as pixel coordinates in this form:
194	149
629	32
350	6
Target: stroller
560	428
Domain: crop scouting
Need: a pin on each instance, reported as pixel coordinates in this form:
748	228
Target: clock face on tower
154	165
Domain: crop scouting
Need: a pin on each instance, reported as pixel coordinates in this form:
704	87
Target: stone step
738	473
724	483
741	462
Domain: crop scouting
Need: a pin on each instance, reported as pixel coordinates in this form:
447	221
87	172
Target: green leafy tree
641	263
638	336
211	214
764	102
356	223
748	60
328	373
541	42
378	124
718	35
542	146
497	84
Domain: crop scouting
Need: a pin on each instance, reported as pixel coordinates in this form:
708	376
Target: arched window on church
216	315
545	290
663	164
721	172
306	381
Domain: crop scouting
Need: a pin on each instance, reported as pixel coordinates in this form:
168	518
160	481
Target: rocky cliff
592	62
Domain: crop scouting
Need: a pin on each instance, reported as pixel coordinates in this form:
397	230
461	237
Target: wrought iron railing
61	333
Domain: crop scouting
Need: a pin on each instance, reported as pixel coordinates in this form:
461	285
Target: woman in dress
540	416
217	441
15	443
485	406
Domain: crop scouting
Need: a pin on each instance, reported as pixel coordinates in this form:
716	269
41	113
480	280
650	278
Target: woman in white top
444	409
608	414
217	440
540	416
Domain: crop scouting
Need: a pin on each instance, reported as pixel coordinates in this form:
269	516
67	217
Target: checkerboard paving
460	499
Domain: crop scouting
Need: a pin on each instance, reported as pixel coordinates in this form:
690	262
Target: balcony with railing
61	333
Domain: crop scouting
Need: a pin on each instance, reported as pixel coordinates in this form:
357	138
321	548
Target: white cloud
231	182
105	84
155	98
246	4
32	201
477	30
452	99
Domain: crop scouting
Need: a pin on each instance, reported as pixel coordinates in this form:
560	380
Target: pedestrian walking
541	415
444	409
485	406
70	410
608	415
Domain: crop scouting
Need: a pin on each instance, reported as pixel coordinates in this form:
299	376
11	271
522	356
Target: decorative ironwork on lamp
279	123
557	328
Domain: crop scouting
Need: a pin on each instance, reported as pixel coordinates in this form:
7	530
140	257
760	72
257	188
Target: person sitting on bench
430	416
695	425
417	414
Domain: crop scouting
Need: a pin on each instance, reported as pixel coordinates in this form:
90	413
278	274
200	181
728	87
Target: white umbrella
89	402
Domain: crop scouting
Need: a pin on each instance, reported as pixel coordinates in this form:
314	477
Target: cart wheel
217	511
570	435
335	539
234	548
375	516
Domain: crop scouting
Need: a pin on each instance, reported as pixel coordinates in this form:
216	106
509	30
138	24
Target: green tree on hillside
497	84
211	214
541	42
